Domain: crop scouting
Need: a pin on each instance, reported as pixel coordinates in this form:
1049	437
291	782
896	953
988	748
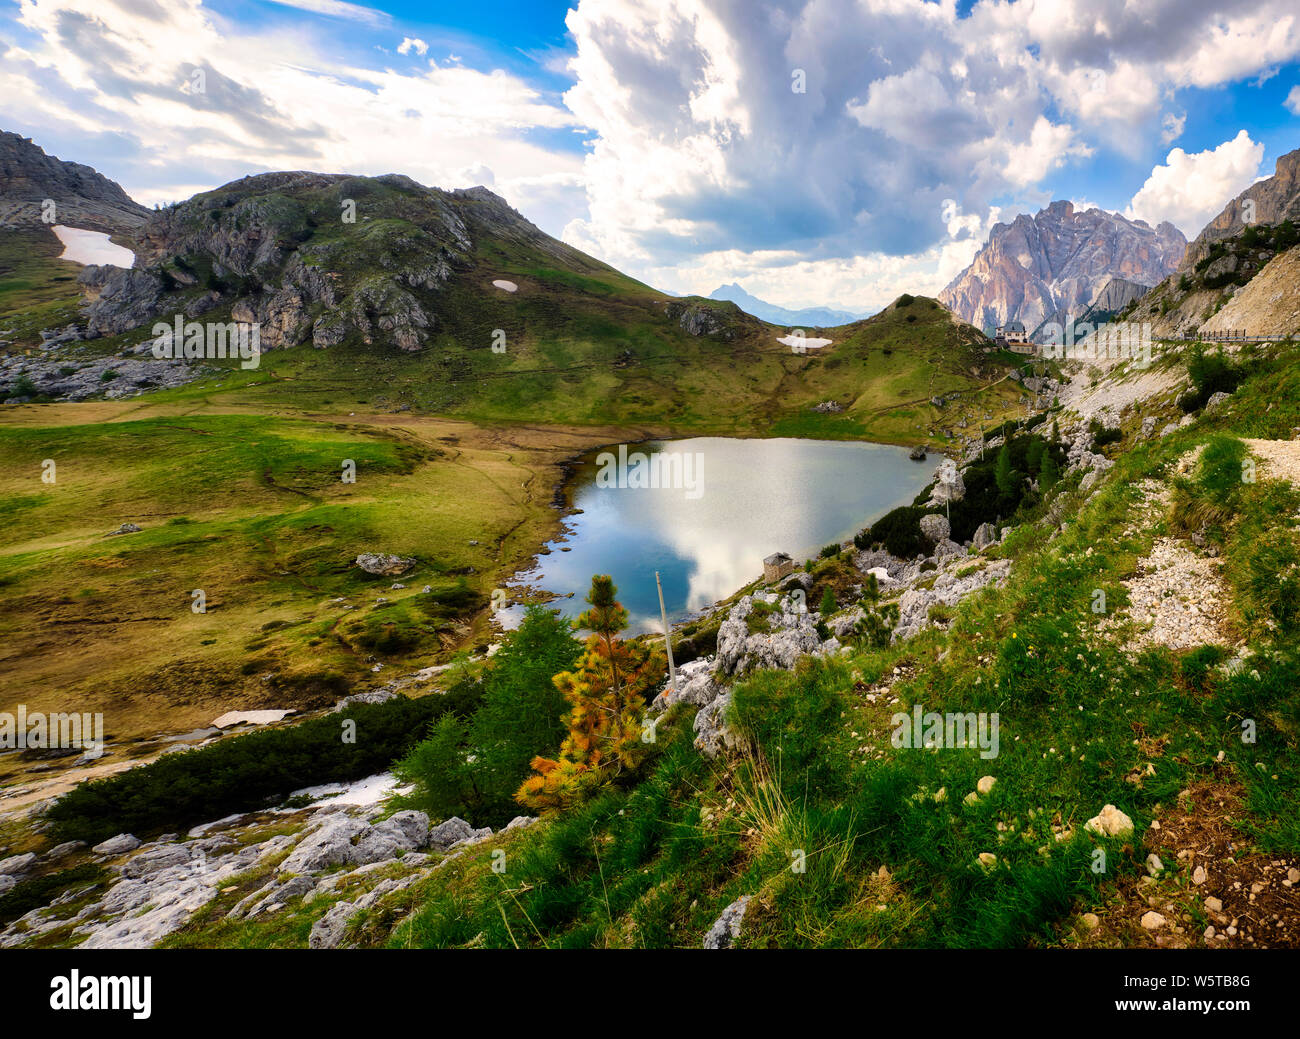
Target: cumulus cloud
829	130
1191	189
200	103
827	146
1293	100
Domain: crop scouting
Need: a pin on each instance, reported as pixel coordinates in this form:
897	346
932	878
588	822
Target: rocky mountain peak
1268	201
1058	261
82	197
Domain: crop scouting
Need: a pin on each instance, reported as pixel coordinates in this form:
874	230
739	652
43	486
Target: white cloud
1049	147
700	153
339	9
1191	189
1171	127
703	155
1293	100
274	100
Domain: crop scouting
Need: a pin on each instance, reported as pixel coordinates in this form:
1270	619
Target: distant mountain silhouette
816	317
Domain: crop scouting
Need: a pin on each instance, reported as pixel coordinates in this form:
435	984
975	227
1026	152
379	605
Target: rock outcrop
317	258
383	564
1218	286
81	196
1268	305
1269	201
726	928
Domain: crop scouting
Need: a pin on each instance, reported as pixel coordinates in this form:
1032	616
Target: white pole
668	641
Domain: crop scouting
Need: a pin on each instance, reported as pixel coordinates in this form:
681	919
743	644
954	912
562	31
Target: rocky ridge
351	856
82	197
1059	261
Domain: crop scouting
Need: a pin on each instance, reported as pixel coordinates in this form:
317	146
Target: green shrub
899	533
23	387
828	601
1106	436
474	768
876	627
36	892
759	619
244	773
1210	373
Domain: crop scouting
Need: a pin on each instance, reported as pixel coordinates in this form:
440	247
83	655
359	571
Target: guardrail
1233	335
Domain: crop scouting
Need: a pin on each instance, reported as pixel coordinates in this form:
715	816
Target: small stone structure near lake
777	566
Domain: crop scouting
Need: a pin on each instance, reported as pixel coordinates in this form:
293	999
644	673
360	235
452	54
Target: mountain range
811	317
1057	263
454	300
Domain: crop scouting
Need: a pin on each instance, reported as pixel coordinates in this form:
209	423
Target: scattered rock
384	565
726	929
16	865
935	526
1153	921
1110	822
985	535
155	860
67	848
712	735
118	845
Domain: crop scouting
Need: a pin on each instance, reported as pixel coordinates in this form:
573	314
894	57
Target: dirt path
1281	459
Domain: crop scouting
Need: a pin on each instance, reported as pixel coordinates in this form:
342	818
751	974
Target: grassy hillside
37	289
249	507
892	843
840	838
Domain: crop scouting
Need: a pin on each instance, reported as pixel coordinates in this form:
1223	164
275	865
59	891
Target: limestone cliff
1058	262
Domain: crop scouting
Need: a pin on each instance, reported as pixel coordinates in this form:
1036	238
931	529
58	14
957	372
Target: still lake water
732	502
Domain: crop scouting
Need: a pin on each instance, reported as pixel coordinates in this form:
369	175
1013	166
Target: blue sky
832	152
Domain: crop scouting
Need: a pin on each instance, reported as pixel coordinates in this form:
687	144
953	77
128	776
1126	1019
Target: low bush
244	773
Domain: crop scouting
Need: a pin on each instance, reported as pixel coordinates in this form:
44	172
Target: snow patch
804	341
91	247
363	792
250	718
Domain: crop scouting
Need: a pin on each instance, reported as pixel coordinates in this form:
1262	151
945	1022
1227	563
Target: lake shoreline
536	582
